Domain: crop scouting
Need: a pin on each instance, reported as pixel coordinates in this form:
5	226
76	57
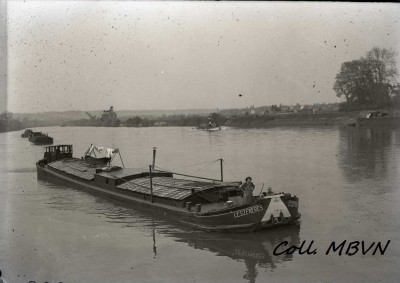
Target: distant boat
214	129
377	118
40	138
27	133
210	126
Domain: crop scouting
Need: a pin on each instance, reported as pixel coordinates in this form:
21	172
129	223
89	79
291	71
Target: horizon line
170	110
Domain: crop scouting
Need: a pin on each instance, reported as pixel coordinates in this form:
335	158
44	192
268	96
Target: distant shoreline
238	121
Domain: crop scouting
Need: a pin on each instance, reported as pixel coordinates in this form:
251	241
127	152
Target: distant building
160	124
285	108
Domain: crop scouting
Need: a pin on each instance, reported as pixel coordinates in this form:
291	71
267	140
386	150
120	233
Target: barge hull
246	218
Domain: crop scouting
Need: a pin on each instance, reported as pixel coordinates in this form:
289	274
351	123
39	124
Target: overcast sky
90	55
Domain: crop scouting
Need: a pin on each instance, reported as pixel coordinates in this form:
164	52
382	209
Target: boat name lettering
255	255
248	210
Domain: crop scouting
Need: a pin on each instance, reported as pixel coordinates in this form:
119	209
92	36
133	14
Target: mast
222	169
151	184
154	156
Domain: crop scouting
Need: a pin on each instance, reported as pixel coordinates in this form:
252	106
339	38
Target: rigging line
112	158
162	169
204	167
230	169
170	170
166	170
186	166
185	175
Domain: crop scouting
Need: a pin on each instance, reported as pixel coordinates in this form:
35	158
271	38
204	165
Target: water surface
346	178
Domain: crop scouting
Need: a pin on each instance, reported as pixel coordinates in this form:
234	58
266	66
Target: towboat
40	138
207	204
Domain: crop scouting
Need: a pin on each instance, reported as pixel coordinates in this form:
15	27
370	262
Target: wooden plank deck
75	167
165	187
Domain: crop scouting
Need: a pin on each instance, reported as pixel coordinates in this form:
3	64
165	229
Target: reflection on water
366	153
346	178
255	250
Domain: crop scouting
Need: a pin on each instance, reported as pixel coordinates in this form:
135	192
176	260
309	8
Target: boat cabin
57	152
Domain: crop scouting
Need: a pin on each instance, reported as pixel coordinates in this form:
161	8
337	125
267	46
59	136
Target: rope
204	166
208	164
120	158
230	170
185	175
187	166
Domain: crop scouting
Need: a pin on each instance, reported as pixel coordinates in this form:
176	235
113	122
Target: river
347	179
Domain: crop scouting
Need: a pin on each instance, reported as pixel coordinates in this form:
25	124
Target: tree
369	80
348	81
383	72
134	122
218	118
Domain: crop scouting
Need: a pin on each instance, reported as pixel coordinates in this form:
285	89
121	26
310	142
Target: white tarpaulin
108	152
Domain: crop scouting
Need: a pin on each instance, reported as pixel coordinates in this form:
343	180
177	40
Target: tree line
8	123
369	81
174	120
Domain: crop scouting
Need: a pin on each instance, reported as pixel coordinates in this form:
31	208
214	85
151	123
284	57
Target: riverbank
293	119
302	119
10	125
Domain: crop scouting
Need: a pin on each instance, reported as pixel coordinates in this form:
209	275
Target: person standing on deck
247	188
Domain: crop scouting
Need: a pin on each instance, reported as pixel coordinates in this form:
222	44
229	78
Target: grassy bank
293	119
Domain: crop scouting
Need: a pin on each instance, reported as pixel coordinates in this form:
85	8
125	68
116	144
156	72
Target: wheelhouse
57	152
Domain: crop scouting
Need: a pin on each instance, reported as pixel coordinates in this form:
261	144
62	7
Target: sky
89	55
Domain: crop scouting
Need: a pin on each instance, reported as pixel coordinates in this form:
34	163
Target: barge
27	133
211	205
40	138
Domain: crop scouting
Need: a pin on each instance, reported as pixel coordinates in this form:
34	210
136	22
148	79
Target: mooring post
154	156
151	184
222	170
